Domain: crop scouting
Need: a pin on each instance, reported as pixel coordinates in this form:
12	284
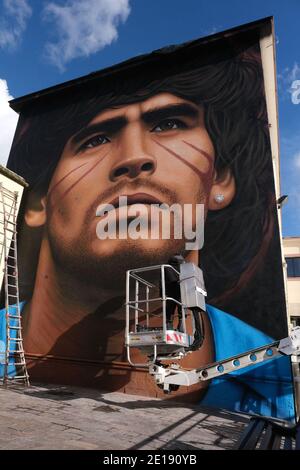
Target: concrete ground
59	417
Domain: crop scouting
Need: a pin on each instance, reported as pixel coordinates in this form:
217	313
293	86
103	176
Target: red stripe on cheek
205	177
209	158
68	190
205	154
62	179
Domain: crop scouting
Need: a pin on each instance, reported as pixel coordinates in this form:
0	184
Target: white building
291	252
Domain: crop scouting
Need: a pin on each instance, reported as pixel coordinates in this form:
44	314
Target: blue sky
43	43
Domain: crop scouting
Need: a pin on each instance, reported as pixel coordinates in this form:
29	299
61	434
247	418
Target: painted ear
35	214
222	190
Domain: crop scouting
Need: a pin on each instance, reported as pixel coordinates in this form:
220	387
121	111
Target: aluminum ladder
12	359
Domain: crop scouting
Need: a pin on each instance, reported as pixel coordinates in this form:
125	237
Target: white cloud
210	31
297	160
294	73
13	22
83	27
8	122
290	177
213	30
290	147
286	79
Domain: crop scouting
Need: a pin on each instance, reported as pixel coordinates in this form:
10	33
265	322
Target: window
295	321
293	267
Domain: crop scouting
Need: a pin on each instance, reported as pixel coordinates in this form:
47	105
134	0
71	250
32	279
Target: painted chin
113	248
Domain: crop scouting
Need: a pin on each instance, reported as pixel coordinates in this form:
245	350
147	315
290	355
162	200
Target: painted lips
127	200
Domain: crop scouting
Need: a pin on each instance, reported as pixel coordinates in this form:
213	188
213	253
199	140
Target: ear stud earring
219	198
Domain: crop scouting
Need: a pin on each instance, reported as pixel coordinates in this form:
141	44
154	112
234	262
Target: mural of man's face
157	150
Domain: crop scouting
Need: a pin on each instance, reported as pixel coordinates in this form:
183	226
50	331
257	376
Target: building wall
13	183
222	142
291	249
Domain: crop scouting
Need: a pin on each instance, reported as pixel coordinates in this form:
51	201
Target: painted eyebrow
182	109
108	126
152	116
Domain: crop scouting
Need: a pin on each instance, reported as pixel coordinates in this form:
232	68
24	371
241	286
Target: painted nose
133	168
133	158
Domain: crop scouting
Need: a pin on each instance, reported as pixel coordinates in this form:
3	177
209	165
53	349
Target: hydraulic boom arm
174	375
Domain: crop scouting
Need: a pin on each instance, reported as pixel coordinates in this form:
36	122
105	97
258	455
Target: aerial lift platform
148	330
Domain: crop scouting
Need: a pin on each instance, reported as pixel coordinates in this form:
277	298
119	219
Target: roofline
13	176
291	237
18	104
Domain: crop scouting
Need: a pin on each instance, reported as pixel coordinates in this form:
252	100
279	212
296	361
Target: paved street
58	417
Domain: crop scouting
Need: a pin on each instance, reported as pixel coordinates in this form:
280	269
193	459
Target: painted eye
95	141
168	125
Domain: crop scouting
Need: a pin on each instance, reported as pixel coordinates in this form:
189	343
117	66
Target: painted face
157	150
